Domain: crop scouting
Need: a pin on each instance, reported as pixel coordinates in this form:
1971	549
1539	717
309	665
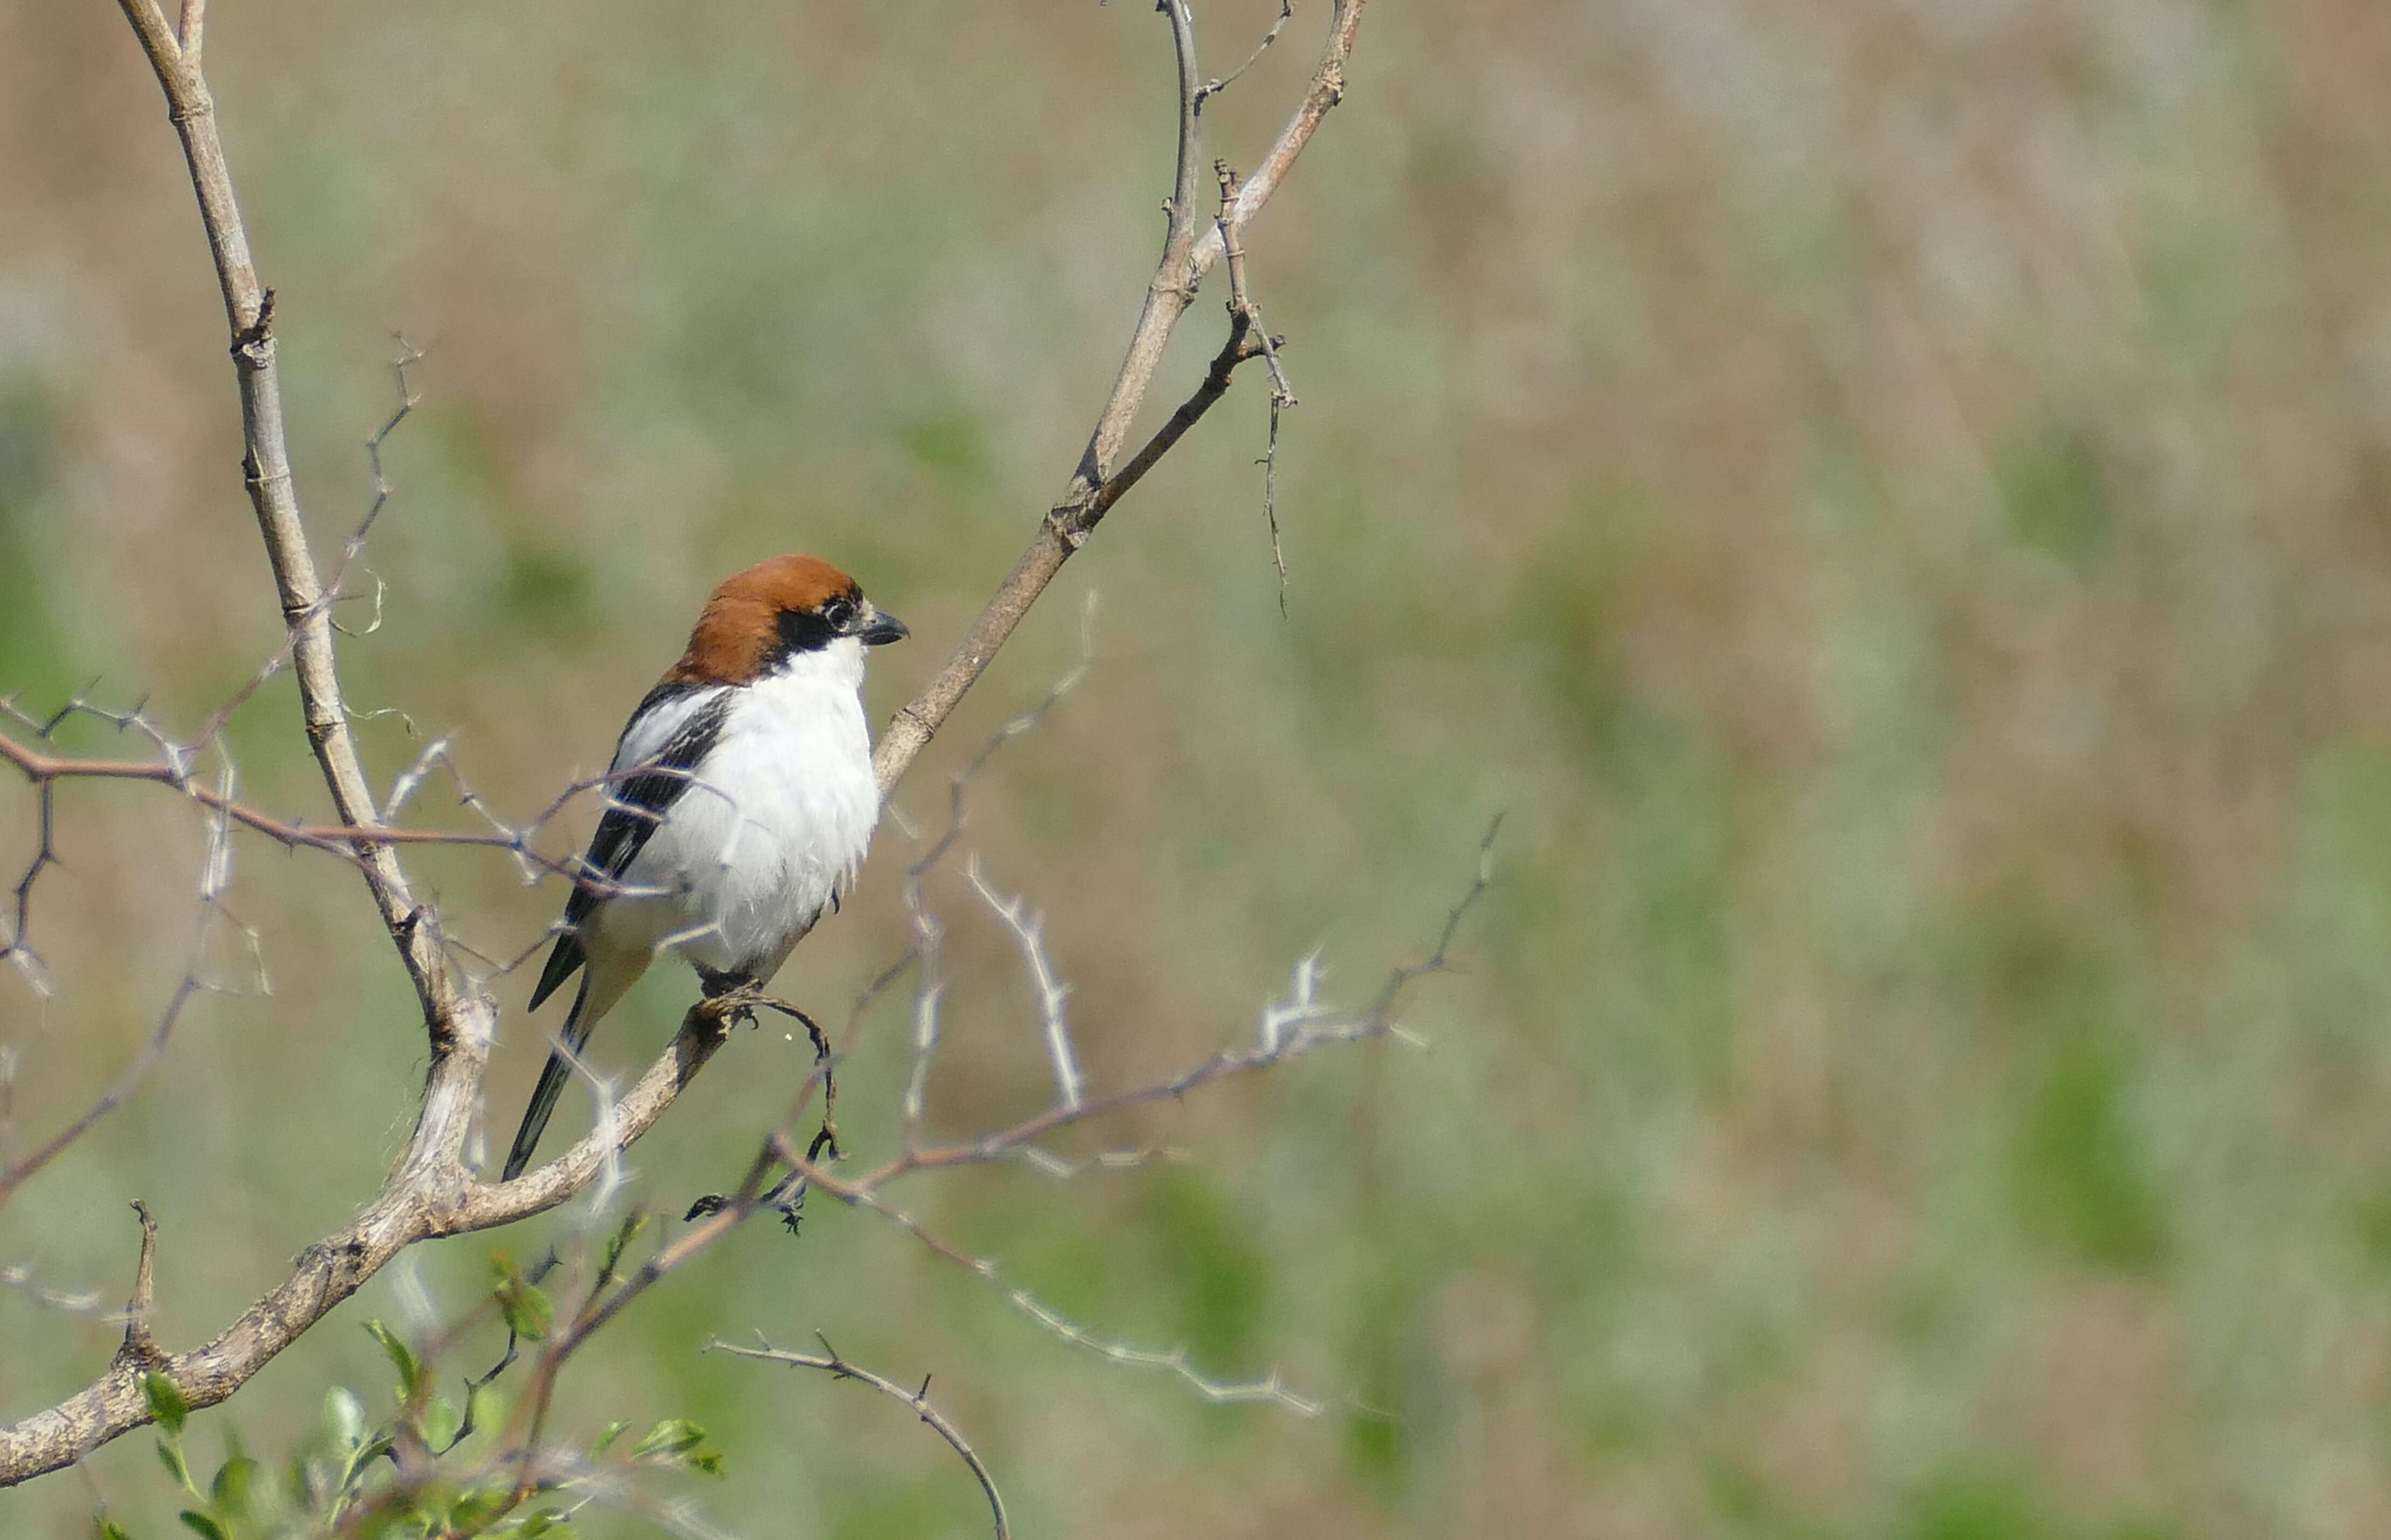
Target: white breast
776	820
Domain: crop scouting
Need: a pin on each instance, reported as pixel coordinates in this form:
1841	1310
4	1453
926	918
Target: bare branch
839	1367
342	840
1327	90
1174	1361
1269	463
1067	524
1052	991
430	1192
924	929
1286	1030
19	1171
486	1206
214	876
249	311
925	1033
1245	313
1241	346
429	1196
295	627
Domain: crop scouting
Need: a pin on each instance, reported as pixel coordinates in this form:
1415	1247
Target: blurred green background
1890	498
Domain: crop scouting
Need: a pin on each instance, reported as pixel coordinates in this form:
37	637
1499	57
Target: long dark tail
551	1083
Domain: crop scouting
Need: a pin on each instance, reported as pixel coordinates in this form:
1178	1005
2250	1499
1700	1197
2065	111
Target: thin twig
214	877
1030	936
1083	505
1215	86
429	1191
924	930
1173	1361
1244	311
839	1367
294	626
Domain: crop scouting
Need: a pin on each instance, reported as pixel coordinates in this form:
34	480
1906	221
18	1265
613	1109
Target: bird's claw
734	1005
791	1209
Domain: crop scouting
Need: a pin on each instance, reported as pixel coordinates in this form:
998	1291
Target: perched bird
743	802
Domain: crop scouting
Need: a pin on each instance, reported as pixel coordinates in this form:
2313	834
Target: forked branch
431	1191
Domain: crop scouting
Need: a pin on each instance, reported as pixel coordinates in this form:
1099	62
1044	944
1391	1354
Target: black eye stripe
804	630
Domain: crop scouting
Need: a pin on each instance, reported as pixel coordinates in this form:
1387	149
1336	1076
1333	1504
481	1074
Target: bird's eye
839	613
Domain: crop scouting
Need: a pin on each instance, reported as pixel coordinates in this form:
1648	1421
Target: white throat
836	666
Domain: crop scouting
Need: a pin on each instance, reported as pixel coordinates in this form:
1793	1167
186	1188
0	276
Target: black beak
885	628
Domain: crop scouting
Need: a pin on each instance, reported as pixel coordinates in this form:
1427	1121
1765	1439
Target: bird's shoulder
674	723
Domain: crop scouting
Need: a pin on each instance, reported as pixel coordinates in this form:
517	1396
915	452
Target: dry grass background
1889	495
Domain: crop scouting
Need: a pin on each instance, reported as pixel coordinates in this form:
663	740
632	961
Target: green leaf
485	1408
170	1454
474	1510
606	1436
528	1312
672	1437
343	1419
199	1524
402	1357
230	1491
110	1530
678	1441
366	1455
167	1407
633	1223
440	1423
399	1522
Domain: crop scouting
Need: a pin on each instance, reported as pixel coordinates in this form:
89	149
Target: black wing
639	803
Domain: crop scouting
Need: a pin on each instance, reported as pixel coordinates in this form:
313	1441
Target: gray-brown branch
431	1192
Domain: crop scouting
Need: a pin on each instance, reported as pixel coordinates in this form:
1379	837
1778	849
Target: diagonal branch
423	1202
431	1192
1186	257
265	471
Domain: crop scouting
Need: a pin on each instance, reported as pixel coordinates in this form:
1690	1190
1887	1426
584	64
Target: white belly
775	821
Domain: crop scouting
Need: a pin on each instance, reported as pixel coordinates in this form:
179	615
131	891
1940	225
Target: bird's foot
788	1200
813	1029
732	1003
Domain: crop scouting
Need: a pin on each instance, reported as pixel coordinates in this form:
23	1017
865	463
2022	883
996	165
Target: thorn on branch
1269	462
831	1362
140	1349
249	341
1029	933
1246	315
